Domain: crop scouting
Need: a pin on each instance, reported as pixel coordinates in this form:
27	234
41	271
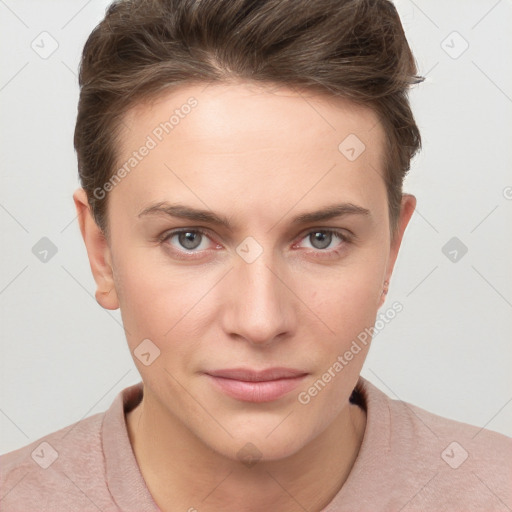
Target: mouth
256	386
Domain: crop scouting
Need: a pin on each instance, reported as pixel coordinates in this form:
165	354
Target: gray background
64	358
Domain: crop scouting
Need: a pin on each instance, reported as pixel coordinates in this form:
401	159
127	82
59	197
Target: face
252	234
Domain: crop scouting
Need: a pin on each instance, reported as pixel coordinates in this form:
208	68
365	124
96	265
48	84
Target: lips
257	375
250	385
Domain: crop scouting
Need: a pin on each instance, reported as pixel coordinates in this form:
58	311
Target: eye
322	239
189	243
187	240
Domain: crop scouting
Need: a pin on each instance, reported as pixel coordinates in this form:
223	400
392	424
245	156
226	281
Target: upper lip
250	375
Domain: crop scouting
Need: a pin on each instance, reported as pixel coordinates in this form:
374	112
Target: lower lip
258	392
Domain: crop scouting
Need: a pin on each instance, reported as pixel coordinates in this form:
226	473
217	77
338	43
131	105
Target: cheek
347	303
348	306
159	303
140	298
348	297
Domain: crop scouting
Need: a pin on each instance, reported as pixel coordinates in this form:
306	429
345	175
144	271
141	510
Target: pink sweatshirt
410	460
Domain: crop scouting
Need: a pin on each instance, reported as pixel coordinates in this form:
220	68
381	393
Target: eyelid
343	233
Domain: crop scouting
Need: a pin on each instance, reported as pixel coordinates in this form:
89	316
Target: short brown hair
355	49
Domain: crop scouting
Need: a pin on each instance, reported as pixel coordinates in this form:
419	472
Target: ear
98	251
407	207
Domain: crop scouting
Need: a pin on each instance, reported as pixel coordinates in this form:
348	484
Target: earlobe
382	298
98	251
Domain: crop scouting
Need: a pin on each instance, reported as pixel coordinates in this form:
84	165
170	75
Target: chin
250	446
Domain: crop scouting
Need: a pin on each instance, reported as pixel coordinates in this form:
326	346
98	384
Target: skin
259	157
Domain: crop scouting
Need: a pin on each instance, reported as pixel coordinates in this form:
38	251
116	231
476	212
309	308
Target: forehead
241	115
215	142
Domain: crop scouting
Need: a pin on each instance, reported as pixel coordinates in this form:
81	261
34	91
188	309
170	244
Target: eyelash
345	239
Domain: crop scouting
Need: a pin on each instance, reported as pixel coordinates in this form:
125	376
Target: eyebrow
199	215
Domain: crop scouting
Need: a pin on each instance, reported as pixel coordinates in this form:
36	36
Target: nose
259	305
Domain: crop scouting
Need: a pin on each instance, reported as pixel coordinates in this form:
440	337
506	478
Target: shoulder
473	465
488	450
436	462
62	467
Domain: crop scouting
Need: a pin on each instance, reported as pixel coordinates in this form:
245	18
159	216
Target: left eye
321	239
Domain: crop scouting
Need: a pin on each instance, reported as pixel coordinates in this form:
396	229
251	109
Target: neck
307	480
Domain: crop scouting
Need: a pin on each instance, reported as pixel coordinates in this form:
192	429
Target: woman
241	203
